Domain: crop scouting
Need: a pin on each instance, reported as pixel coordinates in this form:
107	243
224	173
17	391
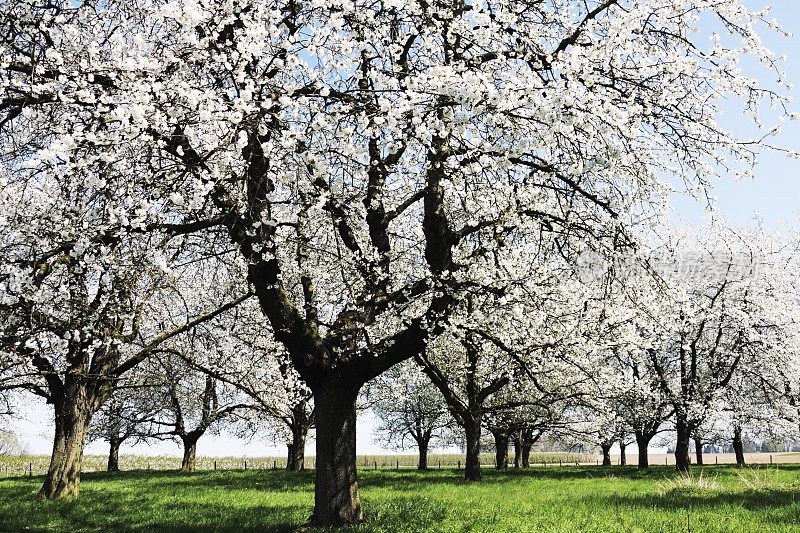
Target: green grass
726	499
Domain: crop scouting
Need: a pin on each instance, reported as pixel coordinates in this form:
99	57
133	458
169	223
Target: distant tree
524	411
722	317
466	382
127	415
191	404
237	350
641	404
9	443
524	440
409	409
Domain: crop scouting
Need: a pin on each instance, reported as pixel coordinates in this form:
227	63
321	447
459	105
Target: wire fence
36	465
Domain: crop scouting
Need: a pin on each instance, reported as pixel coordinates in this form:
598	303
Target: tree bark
73	414
738	446
336	500
296	450
189	461
422	444
642	442
683	431
113	454
526	455
698	450
501	450
472	471
606	448
623	461
517	451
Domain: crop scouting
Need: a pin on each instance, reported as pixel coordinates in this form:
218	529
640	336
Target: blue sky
773	196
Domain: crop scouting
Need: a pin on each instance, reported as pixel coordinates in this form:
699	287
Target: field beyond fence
27	465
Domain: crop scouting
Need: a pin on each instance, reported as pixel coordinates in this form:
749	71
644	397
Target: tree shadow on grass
405	480
223	518
211	518
281	480
266	480
779	506
132	504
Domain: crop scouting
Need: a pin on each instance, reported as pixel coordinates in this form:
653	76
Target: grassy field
586	498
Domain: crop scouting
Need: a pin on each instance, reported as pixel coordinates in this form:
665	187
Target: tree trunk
682	446
73	414
526	455
189	454
472	472
422	444
517	451
296	456
606	448
623	461
113	454
501	450
642	442
336	500
698	450
738	447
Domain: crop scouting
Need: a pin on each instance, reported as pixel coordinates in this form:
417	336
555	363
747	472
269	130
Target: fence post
716	459
376	465
459	465
274	464
215	464
770	458
440	464
30	469
666	460
245	465
559	462
398	465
